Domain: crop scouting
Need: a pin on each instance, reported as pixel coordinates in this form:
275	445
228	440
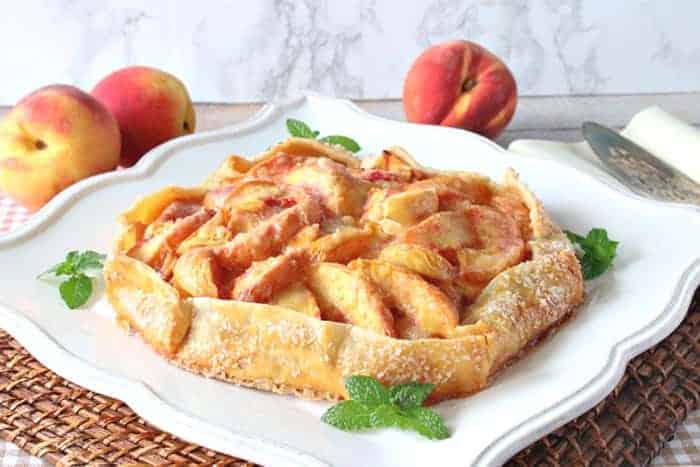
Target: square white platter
630	309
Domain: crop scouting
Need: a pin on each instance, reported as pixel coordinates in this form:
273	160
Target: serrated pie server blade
638	169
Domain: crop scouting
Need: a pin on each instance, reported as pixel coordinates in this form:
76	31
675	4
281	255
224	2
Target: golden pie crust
305	265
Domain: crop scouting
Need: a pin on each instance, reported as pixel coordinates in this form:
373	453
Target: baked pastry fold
306	265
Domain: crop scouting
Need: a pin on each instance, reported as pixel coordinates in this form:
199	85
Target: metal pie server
638	169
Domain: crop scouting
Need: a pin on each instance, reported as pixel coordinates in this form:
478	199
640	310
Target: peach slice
211	233
420	259
374	205
431	311
231	170
167	236
469	290
394	159
406	208
276	165
197	273
269	237
348	296
342	245
501	245
336	187
305	237
243	195
146	303
263	279
178	210
342	193
299	298
306	147
146	210
442	231
411	206
511	206
392	164
453	190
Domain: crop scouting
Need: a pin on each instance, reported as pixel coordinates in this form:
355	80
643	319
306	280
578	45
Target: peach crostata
305	265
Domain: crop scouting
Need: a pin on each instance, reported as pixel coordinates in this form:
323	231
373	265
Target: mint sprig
302	130
595	251
348	143
77	288
372	405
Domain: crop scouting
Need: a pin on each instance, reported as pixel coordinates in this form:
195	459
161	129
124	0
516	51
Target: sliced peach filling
386	245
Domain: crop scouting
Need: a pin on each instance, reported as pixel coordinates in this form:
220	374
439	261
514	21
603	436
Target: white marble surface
242	51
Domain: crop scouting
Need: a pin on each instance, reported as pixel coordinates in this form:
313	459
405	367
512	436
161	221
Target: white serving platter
630	309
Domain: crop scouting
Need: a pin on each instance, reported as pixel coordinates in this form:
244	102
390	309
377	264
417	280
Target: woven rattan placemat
65	424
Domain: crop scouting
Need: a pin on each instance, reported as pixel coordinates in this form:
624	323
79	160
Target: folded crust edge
277	349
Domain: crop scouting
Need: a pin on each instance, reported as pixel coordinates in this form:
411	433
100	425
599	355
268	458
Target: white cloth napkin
664	135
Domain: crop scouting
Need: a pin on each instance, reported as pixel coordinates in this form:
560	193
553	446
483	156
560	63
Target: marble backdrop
258	50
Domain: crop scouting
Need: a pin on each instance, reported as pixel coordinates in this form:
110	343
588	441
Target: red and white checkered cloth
12	215
12	456
683	450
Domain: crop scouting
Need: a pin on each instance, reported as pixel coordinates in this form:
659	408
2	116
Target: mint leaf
385	416
420	419
65	268
60	269
76	262
76	290
90	260
410	394
72	257
367	390
348	416
427	423
348	143
574	238
596	251
300	129
391	416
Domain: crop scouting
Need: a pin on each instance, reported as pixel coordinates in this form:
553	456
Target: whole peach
151	106
51	139
460	84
